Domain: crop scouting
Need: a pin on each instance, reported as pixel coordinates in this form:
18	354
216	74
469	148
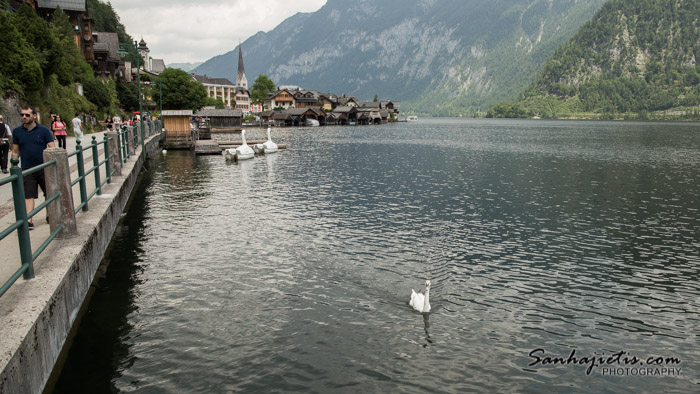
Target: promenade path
36	315
9	249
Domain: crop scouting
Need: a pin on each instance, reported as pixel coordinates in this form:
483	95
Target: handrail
16	179
22	217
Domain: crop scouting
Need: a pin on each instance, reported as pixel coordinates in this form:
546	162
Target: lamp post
138	80
160	97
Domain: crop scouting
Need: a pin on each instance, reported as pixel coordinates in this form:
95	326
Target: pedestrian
77	127
59	129
109	122
5	142
28	143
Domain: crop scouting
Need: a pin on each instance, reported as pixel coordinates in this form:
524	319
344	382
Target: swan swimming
421	302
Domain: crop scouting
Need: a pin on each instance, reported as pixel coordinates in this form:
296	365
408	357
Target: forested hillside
634	59
41	63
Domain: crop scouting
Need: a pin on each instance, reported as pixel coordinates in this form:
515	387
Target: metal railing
81	180
109	159
21	225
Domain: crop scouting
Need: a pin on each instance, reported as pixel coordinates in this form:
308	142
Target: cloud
184	31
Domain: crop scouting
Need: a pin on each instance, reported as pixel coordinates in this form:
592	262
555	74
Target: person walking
77	127
5	142
59	130
109	122
28	143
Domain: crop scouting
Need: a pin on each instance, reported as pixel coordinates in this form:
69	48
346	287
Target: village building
306	99
345	115
281	99
218	88
151	65
327	101
107	61
348	101
221	119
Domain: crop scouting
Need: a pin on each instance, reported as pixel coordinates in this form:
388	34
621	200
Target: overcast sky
186	31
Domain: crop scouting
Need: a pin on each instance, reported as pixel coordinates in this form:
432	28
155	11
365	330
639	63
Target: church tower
241	80
145	54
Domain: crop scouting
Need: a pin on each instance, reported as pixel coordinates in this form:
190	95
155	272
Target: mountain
442	57
185	66
635	58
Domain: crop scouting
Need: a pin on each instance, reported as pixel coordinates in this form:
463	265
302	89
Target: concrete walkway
9	256
37	315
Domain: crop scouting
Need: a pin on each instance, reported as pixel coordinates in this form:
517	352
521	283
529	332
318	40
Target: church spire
241	80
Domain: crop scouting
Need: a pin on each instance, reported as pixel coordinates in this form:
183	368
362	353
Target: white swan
421	302
269	146
243	152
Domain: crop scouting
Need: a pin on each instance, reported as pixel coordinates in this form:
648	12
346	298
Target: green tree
128	96
215	102
375	99
37	33
98	93
262	87
180	91
19	69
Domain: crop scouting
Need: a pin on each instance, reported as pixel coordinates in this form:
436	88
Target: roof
345	109
266	114
241	69
297	111
205	80
280	115
107	42
369	104
66	5
157	65
220	113
177	112
344	100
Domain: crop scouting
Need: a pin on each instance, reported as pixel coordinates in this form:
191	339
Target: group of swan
245	152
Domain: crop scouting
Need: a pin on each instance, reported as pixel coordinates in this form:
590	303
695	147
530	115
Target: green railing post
96	166
125	142
81	175
108	169
25	245
136	137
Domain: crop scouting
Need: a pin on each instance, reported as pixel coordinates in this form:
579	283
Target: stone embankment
38	314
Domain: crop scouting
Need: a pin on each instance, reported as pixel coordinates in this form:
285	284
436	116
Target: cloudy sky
185	31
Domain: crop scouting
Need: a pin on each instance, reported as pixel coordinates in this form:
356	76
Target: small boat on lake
243	152
412	118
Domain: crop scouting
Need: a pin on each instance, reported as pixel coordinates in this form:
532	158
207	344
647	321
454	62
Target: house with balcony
280	99
219	88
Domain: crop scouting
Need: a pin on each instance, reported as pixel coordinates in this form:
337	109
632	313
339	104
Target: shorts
31	182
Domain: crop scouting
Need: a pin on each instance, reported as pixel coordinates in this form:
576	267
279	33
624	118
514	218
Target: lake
563	256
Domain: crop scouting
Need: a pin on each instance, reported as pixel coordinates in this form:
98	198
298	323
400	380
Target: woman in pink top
59	128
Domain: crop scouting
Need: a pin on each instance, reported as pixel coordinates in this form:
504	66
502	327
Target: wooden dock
211	147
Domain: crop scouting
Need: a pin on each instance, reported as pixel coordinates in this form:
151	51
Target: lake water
293	271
